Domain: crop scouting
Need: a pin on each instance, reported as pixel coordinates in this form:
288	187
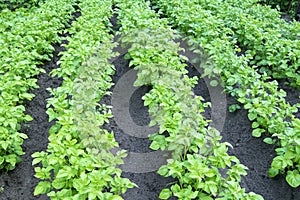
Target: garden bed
237	130
253	152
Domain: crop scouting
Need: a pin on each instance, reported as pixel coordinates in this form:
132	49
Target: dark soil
257	156
20	183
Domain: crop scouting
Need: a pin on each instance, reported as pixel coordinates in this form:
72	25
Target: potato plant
271	44
270	114
289	7
245	42
78	163
14	4
26	39
197	153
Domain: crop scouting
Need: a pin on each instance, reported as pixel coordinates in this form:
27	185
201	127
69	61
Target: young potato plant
26	39
269	112
272	44
14	4
289	7
198	156
78	163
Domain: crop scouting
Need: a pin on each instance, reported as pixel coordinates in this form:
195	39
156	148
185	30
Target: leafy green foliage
198	156
285	7
271	43
26	39
79	163
13	4
220	27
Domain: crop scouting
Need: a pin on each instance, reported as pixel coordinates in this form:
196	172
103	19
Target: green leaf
36	161
165	194
252	116
212	187
193	195
58	183
115	197
175	188
51	194
273	172
269	141
210	173
194	149
42	188
163	171
152	123
255	124
234	107
22	135
278	163
297	141
62	173
257	132
51	114
53	160
13	125
256	196
54	129
204	196
247	106
11	158
4	145
127	56
27	96
293	178
154	145
28	118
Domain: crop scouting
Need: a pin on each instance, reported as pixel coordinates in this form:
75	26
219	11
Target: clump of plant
27	36
268	110
290	7
198	156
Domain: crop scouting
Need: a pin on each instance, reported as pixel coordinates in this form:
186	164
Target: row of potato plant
265	102
288	8
78	163
26	38
269	42
14	4
198	156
